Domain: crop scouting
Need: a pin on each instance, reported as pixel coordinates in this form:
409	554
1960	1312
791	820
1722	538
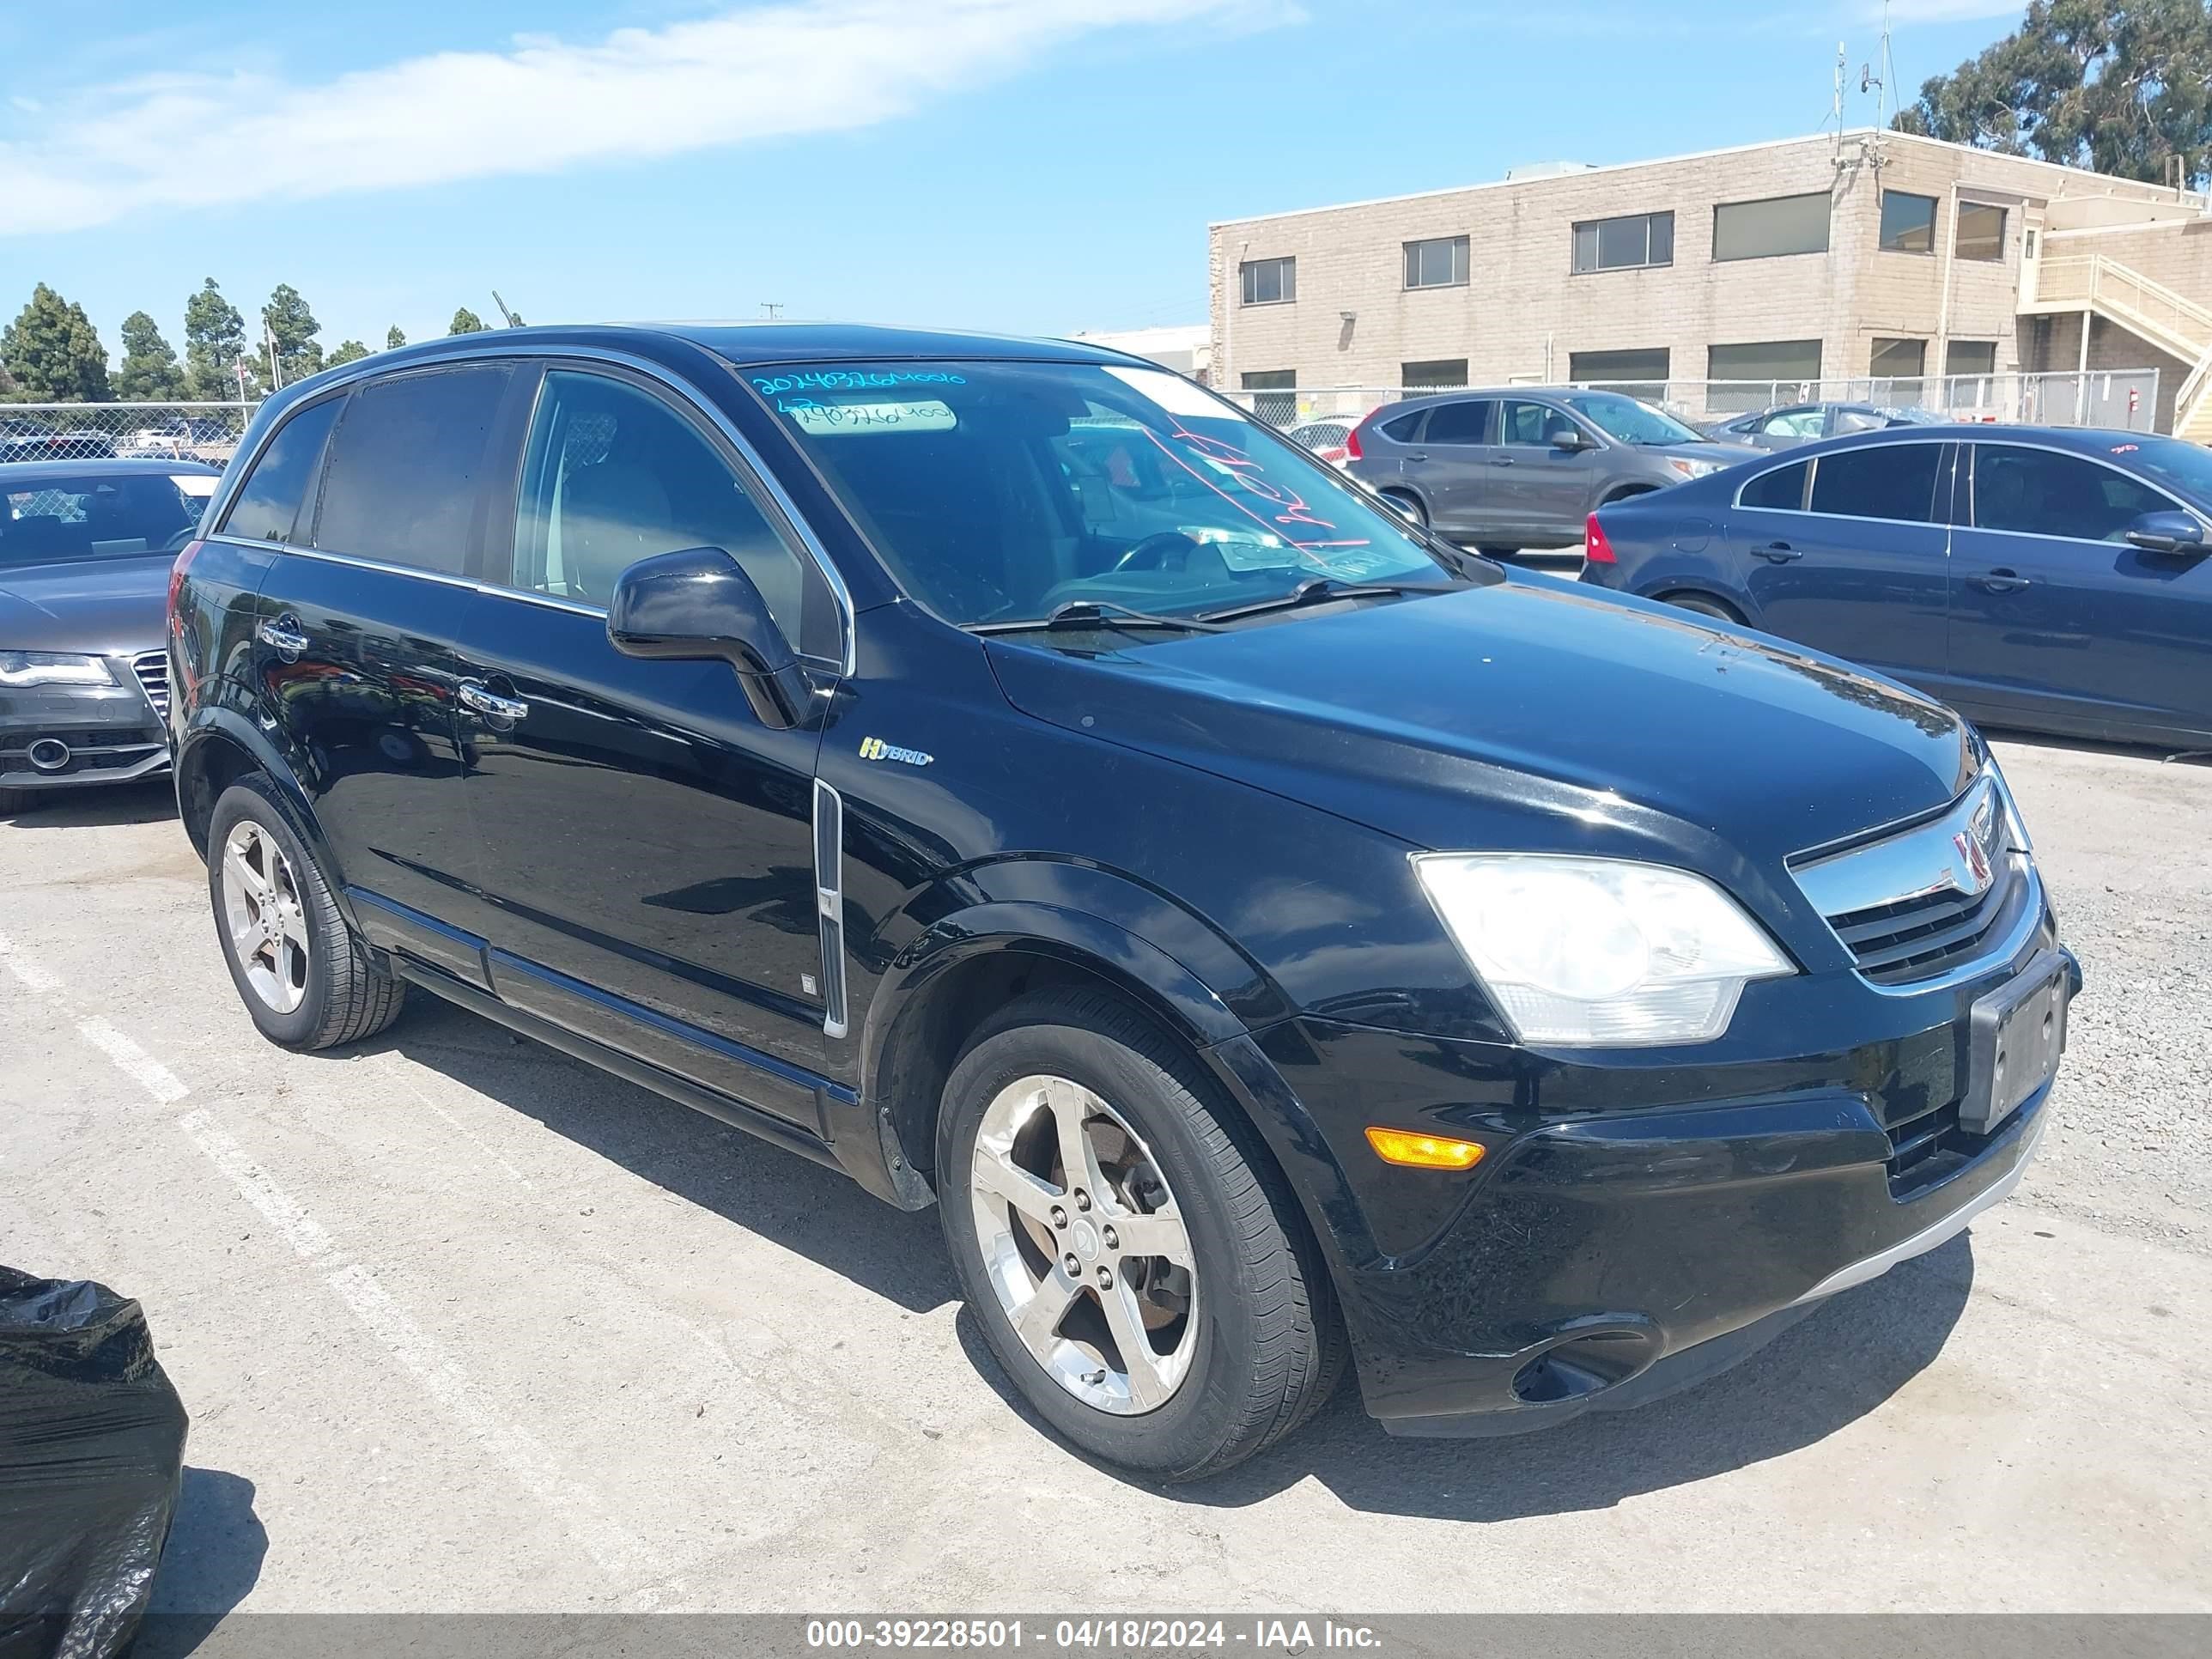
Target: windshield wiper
1096	613
1322	589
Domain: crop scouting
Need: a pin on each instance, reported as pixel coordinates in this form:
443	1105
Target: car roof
2094	442
103	467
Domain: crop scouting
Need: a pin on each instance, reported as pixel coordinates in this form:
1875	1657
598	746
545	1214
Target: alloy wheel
1085	1245
267	921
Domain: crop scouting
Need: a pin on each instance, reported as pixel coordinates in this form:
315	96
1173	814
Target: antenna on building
1836	108
769	308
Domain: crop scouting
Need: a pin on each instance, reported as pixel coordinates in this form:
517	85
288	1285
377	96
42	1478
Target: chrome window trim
545	352
1977	443
1812	465
830	904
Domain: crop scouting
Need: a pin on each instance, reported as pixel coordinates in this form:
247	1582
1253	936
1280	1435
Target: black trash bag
92	1450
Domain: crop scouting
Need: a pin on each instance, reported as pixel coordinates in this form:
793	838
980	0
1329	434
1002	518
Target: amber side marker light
1417	1152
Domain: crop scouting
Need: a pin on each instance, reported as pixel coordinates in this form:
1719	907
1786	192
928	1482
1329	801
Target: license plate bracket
2017	1033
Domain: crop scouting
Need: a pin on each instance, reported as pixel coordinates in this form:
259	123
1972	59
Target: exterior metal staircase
2172	322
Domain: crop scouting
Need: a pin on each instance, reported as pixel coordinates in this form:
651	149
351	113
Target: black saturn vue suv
1005	772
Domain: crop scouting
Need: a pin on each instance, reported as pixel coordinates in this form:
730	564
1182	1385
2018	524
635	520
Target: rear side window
1889	481
267	506
1783	487
1458	423
1401	430
2046	494
407	462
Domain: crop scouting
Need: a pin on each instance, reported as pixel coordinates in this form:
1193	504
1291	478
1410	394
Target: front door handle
476	696
283	635
1503	460
1777	552
2001	581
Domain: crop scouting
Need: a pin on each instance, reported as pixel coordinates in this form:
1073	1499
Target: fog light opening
50	754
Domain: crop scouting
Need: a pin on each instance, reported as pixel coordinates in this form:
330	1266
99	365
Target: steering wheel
1167	550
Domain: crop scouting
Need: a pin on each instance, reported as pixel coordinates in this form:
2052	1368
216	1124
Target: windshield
1631	422
1001	491
59	517
2178	465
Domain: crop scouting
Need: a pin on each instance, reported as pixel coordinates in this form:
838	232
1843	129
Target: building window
1275	394
1436	371
1908	223
1771	371
1778	225
1269	282
1970	357
1639	239
1440	262
1899	360
1981	233
1633	374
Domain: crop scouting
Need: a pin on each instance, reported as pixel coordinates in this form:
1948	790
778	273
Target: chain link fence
2123	399
80	432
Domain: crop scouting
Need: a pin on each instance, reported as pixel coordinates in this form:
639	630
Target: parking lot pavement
463	1325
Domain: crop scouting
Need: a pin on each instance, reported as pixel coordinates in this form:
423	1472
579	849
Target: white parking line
301	1231
34	976
617	1551
134	1062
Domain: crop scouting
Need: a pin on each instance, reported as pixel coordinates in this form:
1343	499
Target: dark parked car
2050	578
1007	773
1522	466
1787	426
26	442
85	551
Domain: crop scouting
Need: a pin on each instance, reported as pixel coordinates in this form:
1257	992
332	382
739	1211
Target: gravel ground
465	1326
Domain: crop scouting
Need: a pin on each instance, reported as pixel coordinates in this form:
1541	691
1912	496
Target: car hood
1726	454
102	607
1530	713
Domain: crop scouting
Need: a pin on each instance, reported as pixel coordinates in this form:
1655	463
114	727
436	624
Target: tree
347	351
214	339
54	353
294	328
466	322
2122	86
393	340
149	371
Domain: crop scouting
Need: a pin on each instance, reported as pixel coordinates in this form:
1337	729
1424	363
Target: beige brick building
1878	255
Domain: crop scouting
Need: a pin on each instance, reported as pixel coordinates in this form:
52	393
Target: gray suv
1522	466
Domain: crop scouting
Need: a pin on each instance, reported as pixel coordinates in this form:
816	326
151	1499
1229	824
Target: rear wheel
1134	1258
306	980
1409	504
1717	609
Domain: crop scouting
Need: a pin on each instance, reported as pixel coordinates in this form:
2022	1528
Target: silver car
1524	467
1791	424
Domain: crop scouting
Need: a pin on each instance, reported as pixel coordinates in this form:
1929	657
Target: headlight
1692	469
1599	953
2015	826
52	668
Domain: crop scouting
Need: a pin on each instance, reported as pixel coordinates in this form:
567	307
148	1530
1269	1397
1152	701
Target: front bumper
65	737
1603	1257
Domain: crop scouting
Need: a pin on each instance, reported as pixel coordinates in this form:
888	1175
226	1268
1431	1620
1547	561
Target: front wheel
306	980
1134	1259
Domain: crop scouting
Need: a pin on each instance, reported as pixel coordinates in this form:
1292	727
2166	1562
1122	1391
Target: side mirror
1571	440
2167	533
699	604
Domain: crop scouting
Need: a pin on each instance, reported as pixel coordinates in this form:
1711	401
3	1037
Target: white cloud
202	140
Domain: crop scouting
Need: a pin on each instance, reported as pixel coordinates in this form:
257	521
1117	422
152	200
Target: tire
309	983
1493	552
1415	510
1705	607
1254	1344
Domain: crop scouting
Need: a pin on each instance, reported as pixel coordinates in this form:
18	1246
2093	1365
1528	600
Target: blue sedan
2051	579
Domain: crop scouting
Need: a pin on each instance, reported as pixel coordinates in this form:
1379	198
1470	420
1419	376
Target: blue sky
1031	166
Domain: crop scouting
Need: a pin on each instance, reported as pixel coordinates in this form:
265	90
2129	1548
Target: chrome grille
1931	900
152	668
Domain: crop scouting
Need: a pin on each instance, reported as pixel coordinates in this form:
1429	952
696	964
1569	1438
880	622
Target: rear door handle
476	696
2001	581
1419	455
1777	552
1503	460
283	635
